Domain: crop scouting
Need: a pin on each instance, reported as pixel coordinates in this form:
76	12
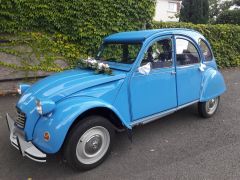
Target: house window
172	7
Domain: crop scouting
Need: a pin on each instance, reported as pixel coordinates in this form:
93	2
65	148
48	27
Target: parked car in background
154	73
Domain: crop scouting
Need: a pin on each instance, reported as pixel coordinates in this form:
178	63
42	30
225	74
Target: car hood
60	85
57	87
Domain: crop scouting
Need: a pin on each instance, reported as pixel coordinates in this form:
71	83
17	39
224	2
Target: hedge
224	39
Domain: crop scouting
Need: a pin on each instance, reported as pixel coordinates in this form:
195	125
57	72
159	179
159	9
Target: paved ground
180	146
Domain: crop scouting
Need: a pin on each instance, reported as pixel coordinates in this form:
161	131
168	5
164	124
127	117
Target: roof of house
140	36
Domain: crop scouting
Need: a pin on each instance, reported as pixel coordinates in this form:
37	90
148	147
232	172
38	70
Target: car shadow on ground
120	149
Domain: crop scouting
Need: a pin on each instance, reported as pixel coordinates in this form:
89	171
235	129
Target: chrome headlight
45	106
22	88
19	90
39	107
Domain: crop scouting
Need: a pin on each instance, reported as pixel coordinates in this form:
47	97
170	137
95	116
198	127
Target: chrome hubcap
93	145
211	105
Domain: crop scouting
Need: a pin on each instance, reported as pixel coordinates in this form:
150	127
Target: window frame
172	11
100	50
208	46
171	38
194	44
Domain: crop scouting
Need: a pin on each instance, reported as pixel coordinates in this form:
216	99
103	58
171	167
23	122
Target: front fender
59	122
213	85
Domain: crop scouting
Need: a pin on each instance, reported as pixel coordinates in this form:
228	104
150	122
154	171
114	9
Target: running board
154	117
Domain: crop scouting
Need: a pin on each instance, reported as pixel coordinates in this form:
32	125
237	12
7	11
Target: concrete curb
22	78
7	93
13	90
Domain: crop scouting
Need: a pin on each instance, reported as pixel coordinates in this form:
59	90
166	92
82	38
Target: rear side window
206	50
186	52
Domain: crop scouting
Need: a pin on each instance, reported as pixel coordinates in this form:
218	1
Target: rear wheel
208	109
89	143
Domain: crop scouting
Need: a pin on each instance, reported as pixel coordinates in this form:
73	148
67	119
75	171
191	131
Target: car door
189	76
156	91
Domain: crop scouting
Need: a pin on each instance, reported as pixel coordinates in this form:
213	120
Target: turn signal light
46	136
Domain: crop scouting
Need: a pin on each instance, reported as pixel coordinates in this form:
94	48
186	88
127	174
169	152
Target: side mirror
145	69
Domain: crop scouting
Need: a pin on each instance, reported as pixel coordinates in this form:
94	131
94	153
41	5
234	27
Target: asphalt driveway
179	146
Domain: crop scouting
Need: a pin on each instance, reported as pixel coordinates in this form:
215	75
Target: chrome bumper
18	141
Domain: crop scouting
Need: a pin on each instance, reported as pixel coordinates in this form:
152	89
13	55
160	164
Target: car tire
89	143
208	109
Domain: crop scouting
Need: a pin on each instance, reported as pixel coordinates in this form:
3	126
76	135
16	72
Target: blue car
136	77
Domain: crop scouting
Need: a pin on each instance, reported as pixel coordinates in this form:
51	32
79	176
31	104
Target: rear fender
213	85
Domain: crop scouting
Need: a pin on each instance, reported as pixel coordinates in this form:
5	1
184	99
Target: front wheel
208	109
89	143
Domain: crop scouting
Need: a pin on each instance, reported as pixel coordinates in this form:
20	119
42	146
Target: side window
206	50
159	54
186	52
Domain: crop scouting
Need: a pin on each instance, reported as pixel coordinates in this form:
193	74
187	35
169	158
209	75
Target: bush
229	17
224	39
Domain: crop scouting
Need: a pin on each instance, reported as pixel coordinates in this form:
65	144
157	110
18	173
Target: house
166	10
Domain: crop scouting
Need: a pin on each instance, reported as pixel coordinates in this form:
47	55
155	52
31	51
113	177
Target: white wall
163	12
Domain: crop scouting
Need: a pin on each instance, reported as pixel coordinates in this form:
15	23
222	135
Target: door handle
202	67
173	72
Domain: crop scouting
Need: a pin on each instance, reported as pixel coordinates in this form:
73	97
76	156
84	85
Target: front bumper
18	141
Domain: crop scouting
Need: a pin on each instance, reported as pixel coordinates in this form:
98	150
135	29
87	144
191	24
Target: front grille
21	118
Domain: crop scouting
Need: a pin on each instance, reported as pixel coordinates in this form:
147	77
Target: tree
195	11
229	17
237	2
218	6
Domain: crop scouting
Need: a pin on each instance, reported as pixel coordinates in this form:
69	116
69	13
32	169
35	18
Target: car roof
140	36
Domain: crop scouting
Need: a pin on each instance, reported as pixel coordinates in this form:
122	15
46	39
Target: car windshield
119	52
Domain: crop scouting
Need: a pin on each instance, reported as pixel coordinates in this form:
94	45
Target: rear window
186	52
205	50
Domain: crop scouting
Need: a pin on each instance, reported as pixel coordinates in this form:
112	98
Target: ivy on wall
84	21
40	51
